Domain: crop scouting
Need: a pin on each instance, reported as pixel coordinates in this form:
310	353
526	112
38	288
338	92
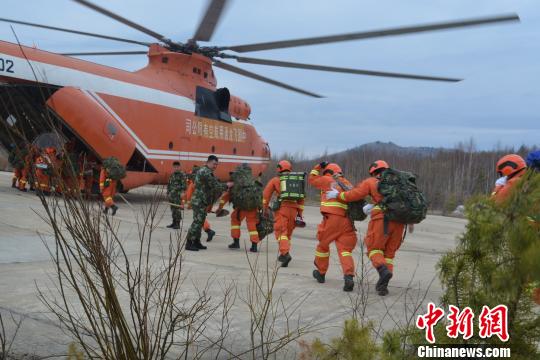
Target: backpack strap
404	233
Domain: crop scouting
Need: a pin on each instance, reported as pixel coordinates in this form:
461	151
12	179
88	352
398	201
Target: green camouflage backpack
292	186
246	193
402	201
265	225
355	209
115	169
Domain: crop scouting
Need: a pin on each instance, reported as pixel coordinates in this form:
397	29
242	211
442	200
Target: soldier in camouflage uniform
207	190
175	189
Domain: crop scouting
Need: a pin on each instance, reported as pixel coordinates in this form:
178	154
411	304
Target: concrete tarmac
25	265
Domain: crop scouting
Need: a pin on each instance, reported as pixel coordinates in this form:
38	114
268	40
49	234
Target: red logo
494	322
460	322
490	322
429	320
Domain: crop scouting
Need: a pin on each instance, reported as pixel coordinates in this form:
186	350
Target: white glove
332	194
501	181
367	209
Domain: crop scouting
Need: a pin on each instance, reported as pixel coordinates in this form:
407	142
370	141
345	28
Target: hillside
448	177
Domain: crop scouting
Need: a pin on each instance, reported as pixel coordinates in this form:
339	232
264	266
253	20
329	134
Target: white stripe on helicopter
172	155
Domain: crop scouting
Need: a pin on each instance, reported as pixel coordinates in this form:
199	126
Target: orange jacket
501	193
363	189
104	177
272	187
190	189
326	183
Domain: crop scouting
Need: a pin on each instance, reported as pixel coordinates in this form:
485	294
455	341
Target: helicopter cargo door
94	123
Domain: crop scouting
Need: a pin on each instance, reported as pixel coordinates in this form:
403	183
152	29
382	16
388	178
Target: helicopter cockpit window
213	104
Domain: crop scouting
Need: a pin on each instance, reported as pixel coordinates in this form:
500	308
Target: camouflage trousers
176	213
195	230
175	210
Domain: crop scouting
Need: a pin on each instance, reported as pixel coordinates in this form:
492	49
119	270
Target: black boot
199	245
106	210
175	225
114	209
14	183
284	259
349	283
384	278
235	244
211	234
318	276
253	247
191	246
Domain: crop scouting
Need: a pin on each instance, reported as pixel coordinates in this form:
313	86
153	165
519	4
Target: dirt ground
25	264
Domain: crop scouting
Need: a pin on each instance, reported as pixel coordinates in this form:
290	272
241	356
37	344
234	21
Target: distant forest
448	177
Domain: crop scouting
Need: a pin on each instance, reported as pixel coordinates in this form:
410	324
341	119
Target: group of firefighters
47	171
382	240
41	169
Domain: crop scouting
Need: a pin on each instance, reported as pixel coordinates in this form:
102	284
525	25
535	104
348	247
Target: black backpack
402	201
355	209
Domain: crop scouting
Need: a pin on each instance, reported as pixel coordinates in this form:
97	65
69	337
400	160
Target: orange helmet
284	165
509	164
379	164
334	168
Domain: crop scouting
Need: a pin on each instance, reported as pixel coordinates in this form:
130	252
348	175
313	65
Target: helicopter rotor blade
341	70
211	18
106	53
125	21
75	32
373	34
249	74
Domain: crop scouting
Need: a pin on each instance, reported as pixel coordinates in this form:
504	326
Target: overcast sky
498	103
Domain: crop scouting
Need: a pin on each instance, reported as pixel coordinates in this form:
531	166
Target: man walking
175	190
207	190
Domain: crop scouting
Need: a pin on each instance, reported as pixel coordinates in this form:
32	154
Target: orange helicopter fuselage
147	117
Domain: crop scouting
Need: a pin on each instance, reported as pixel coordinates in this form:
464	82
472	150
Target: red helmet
379	164
509	164
284	165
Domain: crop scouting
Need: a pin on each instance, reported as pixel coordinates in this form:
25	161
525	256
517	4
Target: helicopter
170	110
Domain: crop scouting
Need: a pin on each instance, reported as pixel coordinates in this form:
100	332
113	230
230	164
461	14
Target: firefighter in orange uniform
511	168
186	199
285	218
335	226
44	170
107	186
382	240
16	159
28	173
237	216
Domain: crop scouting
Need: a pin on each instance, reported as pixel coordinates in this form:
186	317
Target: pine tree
496	262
